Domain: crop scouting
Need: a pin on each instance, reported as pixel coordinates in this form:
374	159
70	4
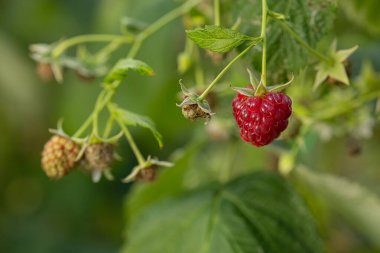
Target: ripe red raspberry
59	156
261	119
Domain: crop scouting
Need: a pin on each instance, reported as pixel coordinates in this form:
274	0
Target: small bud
148	174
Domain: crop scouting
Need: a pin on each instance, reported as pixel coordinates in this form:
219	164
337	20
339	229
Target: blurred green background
73	214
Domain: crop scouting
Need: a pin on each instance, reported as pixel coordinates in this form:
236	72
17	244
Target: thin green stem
132	143
83	127
109	125
104	53
106	94
164	20
89	120
298	38
119	39
329	114
64	45
217	12
95	129
224	71
264	36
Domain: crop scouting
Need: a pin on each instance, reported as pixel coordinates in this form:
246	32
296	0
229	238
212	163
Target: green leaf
217	38
312	20
255	213
359	207
123	66
133	119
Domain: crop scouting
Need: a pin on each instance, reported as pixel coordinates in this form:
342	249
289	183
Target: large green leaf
359	207
255	213
217	38
311	19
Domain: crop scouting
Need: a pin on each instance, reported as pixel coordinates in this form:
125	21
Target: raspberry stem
339	110
108	92
109	125
264	38
131	142
217	12
224	71
64	45
164	20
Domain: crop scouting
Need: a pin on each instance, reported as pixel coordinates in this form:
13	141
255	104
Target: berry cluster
62	155
261	119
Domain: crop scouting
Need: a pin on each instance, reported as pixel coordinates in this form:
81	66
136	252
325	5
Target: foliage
255	213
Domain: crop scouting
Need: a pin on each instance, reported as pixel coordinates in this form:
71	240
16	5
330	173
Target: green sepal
114	139
260	90
191	98
280	87
244	91
185	90
147	164
334	69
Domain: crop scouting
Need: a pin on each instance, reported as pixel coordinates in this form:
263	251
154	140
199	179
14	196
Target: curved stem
88	121
64	45
108	128
298	38
104	53
106	94
96	112
167	18
264	36
224	71
352	106
132	143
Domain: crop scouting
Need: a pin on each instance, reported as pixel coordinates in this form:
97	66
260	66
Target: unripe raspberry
261	119
147	174
193	112
100	155
59	156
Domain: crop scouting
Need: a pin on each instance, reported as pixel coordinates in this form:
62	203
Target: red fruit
261	119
